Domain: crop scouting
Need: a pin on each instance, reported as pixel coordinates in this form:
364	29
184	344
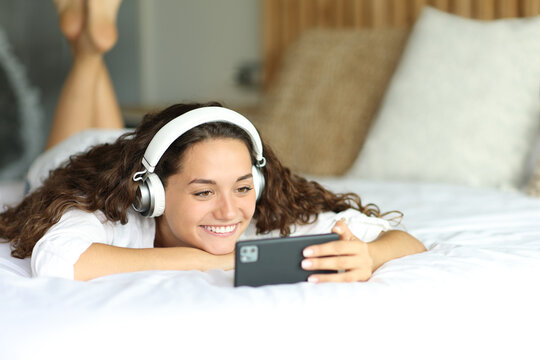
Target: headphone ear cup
157	196
142	198
150	198
258	181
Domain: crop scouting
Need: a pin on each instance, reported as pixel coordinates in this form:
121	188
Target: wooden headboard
285	20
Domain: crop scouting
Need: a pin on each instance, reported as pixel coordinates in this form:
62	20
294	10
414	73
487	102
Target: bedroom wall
169	51
193	49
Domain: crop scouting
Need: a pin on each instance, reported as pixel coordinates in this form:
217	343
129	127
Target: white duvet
474	295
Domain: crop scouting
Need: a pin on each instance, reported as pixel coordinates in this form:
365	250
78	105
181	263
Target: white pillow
463	106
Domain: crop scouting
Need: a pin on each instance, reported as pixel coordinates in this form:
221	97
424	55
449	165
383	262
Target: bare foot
71	17
102	23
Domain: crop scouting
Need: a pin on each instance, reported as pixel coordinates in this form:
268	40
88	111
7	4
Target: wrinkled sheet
475	294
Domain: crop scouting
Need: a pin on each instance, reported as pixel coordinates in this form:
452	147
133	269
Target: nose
225	208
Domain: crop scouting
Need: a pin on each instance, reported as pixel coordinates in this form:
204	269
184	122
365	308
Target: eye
203	194
244	189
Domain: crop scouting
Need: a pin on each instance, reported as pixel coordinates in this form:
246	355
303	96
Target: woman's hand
354	259
349	256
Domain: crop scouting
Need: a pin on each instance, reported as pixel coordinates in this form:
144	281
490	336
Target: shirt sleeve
58	250
364	227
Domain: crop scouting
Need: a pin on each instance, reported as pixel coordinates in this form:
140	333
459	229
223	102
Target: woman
83	222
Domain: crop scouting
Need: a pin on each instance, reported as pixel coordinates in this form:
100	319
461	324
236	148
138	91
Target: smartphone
275	260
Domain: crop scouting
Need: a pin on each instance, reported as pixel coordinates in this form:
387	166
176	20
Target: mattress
473	294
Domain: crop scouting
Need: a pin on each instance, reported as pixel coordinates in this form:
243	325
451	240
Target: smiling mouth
220	230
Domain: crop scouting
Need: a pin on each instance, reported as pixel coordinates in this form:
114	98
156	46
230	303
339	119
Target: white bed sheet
474	294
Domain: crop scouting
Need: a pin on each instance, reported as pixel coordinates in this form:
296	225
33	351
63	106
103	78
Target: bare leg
76	104
107	112
87	98
102	28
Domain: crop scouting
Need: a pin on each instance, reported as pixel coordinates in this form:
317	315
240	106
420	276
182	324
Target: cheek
181	210
192	211
249	205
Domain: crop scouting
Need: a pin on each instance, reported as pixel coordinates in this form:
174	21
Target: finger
333	263
340	226
342	229
347	276
338	247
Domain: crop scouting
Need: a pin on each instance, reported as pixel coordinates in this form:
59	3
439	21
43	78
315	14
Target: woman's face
211	201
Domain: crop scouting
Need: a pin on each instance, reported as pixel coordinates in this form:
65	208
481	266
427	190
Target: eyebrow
212	182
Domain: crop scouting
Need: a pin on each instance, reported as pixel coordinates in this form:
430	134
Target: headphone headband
150	199
185	122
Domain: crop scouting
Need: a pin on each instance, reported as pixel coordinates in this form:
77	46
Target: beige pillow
319	109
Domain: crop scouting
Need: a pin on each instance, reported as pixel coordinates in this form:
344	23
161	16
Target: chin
220	247
220	250
216	245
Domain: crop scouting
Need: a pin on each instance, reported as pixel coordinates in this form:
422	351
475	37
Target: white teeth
221	229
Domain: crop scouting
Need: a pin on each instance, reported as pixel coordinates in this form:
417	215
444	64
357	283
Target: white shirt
59	249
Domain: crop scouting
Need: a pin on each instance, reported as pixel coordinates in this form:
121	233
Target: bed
473	295
463	166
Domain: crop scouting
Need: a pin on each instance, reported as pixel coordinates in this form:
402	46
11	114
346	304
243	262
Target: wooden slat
416	7
531	7
271	46
461	7
340	13
378	11
360	15
323	10
507	8
443	5
400	16
348	14
306	14
290	22
484	9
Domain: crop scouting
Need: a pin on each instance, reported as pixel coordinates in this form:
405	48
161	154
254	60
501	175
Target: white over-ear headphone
150	199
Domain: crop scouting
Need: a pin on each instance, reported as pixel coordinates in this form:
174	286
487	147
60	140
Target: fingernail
307	252
313	279
306	264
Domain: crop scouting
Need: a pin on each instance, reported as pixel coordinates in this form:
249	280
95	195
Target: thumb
340	227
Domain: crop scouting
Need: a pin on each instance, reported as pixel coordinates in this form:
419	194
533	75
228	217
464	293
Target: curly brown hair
101	179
